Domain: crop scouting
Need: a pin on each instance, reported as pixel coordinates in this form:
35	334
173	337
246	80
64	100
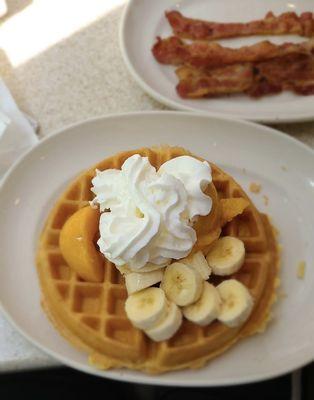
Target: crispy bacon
293	72
194	83
286	23
174	51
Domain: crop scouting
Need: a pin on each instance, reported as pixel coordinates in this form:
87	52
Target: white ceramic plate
143	20
284	168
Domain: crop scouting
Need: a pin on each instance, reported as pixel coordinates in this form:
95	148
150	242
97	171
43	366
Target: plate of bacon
247	59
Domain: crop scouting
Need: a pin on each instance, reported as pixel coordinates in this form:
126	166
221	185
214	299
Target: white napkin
16	133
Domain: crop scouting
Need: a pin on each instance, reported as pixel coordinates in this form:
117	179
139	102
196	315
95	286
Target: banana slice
148	267
182	284
136	281
198	261
237	303
168	326
226	256
206	309
146	307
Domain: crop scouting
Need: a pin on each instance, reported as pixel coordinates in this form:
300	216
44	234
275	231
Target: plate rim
174	105
145	378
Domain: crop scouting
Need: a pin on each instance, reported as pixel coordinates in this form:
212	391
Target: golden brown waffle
91	315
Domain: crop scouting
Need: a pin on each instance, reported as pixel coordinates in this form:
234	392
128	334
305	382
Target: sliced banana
136	281
168	325
146	307
226	256
206	308
182	284
148	267
237	303
198	261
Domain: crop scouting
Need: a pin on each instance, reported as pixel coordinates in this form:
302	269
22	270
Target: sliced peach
232	207
77	244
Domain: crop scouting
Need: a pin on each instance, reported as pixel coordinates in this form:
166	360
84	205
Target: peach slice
77	244
230	208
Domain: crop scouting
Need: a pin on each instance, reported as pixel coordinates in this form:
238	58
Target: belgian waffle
91	315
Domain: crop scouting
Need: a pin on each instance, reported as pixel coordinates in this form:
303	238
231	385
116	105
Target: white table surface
64	74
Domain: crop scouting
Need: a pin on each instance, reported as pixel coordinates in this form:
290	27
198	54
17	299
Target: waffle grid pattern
94	312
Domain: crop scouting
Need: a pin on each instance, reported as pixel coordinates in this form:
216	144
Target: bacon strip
195	83
293	72
174	51
286	23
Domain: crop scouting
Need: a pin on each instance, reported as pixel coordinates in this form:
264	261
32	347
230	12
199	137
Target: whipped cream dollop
147	215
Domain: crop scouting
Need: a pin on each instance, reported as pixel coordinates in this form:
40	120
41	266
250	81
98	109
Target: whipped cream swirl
147	215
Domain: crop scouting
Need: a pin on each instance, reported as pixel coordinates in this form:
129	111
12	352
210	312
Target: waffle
91	315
